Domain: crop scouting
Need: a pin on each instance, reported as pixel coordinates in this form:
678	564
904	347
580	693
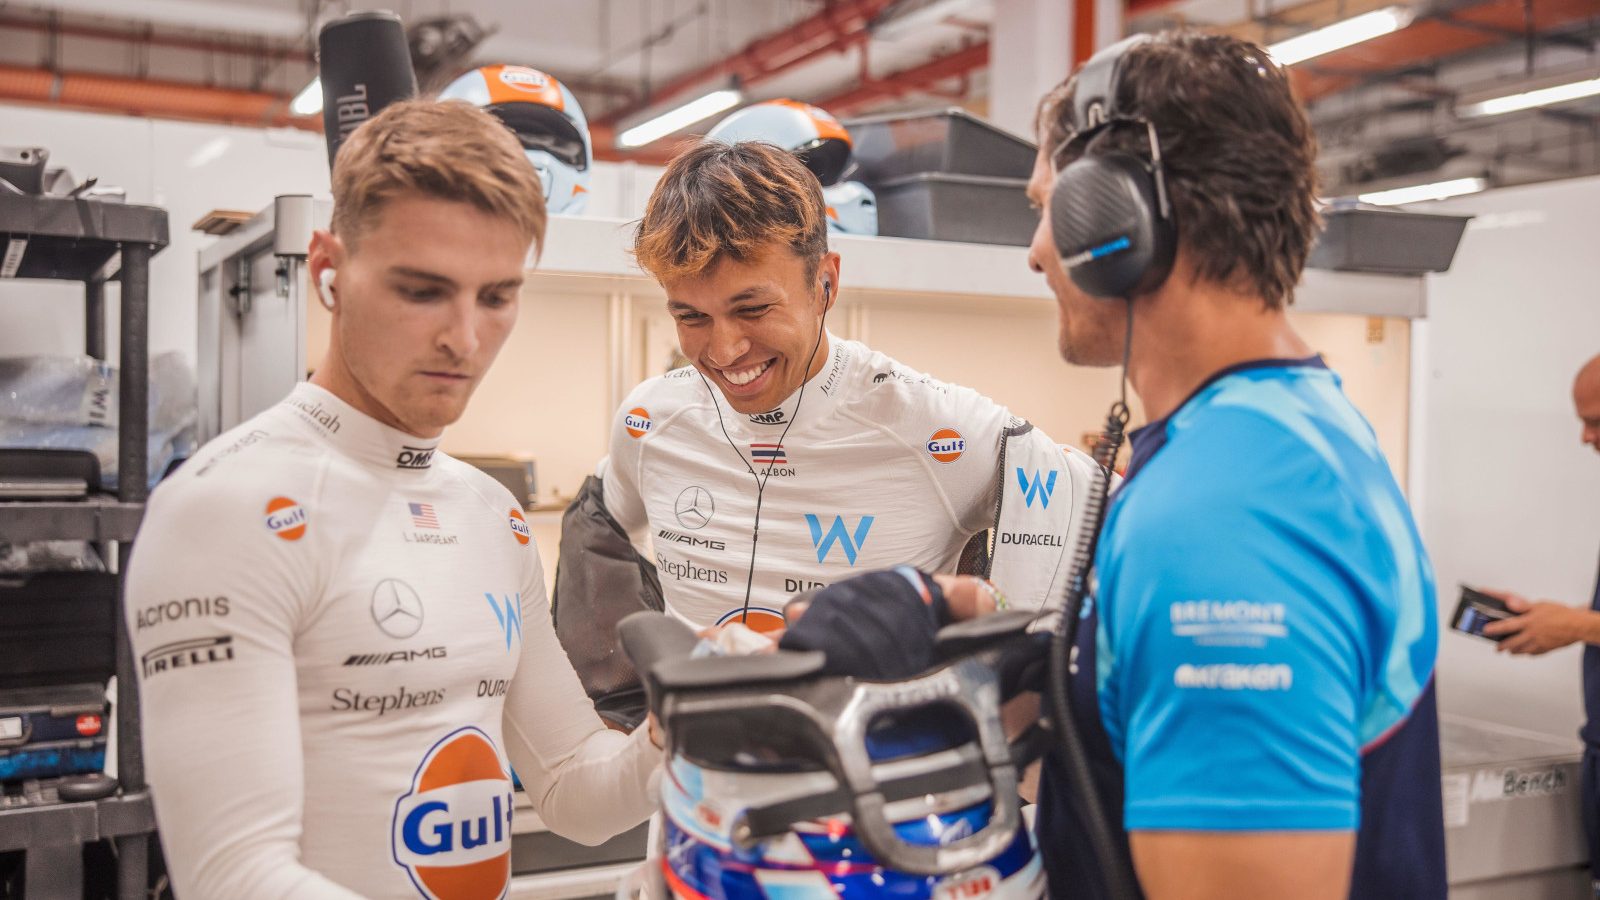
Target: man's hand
1540	626
969	597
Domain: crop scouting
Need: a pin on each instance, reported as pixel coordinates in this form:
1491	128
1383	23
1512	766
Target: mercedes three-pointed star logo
396	608
694	507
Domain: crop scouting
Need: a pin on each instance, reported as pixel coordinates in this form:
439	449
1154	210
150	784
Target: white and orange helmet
820	142
545	117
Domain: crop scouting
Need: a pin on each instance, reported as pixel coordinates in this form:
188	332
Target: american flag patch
768	453
423	516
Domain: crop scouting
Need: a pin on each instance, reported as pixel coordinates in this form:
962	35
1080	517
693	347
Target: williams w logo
837	533
509	614
1038	487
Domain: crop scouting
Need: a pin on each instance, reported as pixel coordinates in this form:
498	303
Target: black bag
601	580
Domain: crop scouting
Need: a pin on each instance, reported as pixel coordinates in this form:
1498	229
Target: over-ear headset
325	287
1110	213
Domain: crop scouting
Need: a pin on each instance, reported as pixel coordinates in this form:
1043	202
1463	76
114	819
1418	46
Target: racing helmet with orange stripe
545	117
817	138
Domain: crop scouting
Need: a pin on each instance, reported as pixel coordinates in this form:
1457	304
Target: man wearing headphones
1252	678
343	637
786	458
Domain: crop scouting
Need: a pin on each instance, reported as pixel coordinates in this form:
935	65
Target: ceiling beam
836	27
916	78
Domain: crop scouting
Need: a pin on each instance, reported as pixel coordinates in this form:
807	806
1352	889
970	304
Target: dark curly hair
1238	150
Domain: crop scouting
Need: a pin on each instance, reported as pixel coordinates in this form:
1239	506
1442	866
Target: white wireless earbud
325	287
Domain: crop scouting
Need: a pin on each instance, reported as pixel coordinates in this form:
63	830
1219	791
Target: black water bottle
365	65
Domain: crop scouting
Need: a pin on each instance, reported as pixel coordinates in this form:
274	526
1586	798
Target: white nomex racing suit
881	466
344	648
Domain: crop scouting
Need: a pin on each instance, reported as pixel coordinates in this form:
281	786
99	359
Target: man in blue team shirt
1255	665
1546	625
1253	676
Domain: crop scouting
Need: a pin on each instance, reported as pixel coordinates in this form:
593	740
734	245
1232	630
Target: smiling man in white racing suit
342	633
840	459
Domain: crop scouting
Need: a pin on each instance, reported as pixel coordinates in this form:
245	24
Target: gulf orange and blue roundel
452	830
760	619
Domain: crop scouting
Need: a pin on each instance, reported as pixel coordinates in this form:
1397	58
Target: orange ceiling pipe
132	36
1432	37
836	27
147	97
920	77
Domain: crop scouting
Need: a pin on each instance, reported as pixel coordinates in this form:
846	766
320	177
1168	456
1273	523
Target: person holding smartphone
1545	625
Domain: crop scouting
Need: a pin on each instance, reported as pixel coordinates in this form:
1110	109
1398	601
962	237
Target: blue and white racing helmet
546	118
852	208
826	858
785	783
820	142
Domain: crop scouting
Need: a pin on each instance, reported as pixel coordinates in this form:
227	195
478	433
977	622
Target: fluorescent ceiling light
1340	35
309	101
1417	193
1560	93
679	118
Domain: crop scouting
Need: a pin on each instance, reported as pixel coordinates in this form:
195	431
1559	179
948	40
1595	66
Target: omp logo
770	417
414	458
519	525
637	421
1037	488
451	831
946	445
1234	677
286	518
759	618
508	614
838	534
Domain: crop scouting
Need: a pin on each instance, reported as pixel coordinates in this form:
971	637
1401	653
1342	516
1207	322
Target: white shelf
593	255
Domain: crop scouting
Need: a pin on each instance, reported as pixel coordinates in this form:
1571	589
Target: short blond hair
730	201
449	150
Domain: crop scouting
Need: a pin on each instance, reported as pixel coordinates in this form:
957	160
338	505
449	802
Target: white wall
1507	497
191	169
187	168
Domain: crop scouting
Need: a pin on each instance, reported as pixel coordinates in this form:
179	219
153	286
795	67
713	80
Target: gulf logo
514	83
946	445
760	619
637	421
286	518
452	830
519	525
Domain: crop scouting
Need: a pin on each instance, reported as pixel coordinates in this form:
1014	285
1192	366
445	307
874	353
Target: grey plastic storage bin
953	142
971	208
1387	241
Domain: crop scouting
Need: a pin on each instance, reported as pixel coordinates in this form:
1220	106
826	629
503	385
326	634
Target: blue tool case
51	731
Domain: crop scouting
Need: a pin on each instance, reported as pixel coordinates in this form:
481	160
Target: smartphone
1477	609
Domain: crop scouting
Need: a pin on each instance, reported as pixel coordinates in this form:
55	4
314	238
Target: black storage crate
1387	241
952	142
967	208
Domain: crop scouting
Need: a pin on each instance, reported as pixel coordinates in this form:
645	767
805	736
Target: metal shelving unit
93	242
